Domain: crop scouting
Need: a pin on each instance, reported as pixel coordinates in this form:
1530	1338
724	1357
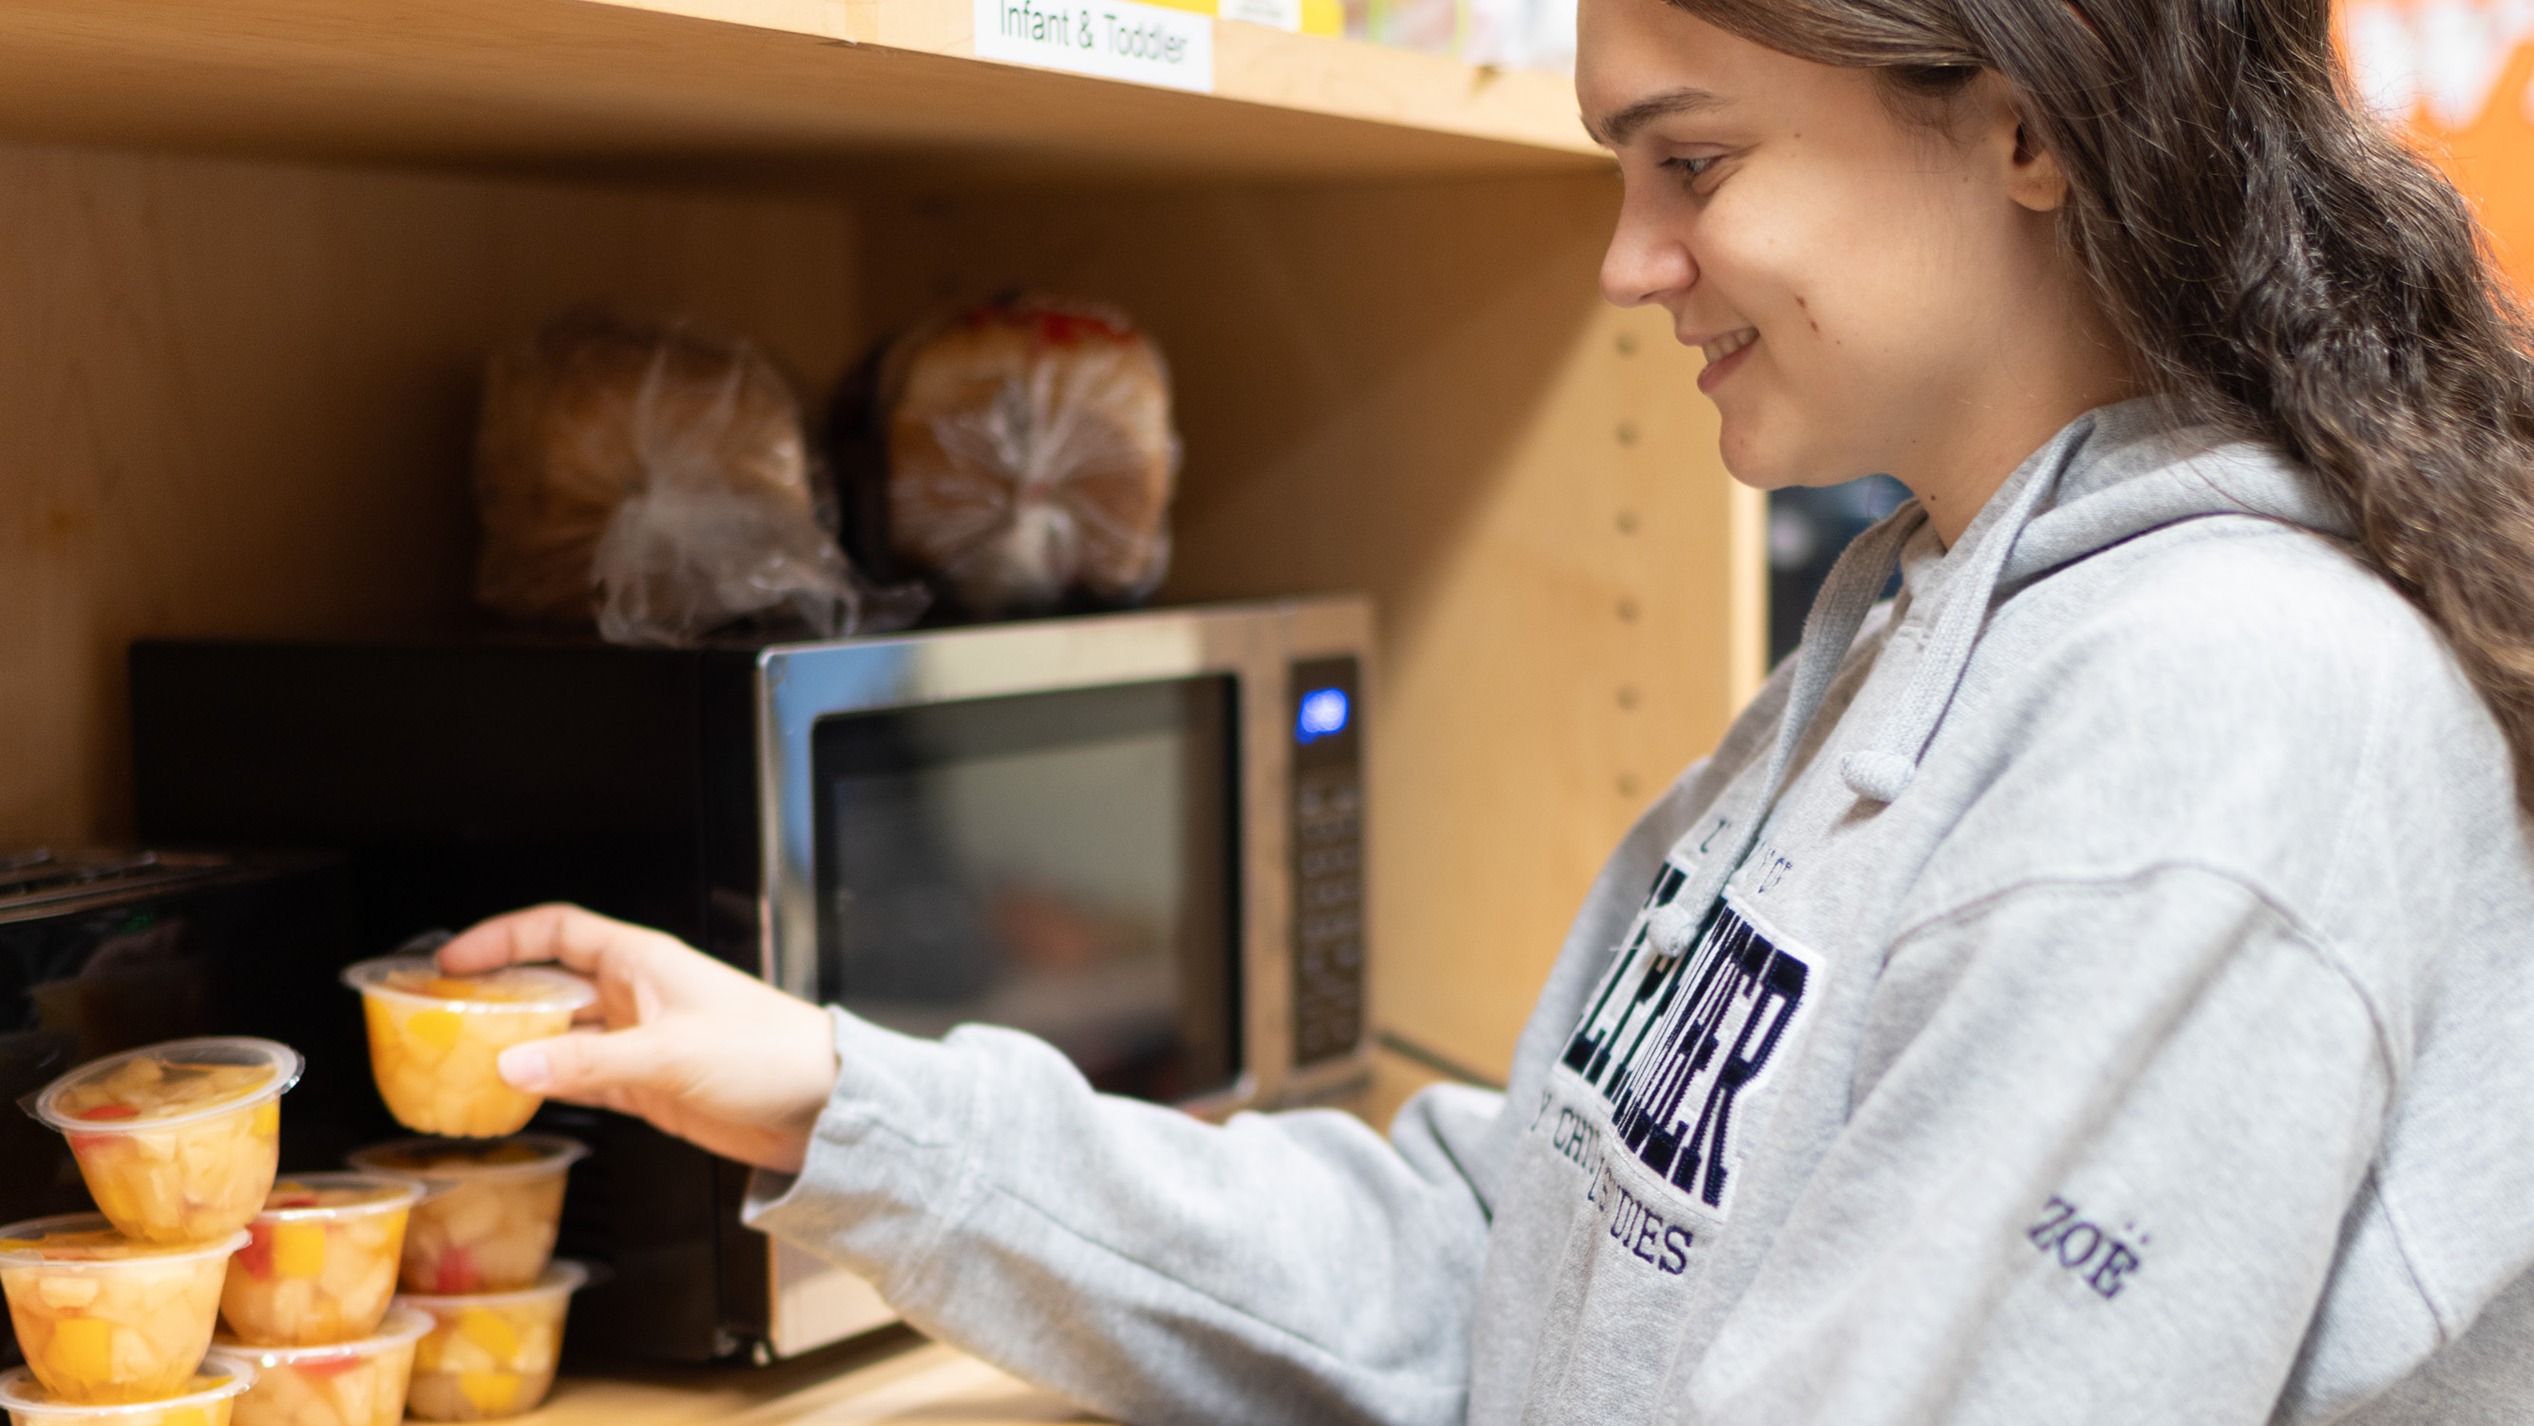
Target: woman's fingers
512	938
581	940
585	1065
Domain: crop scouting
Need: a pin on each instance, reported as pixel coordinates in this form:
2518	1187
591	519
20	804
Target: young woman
2094	988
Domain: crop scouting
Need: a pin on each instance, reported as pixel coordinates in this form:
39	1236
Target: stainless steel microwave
1140	836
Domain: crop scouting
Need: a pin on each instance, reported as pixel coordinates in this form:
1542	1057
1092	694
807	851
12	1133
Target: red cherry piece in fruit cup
257	1256
457	1275
111	1111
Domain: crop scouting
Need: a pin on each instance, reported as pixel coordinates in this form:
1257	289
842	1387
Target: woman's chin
1752	460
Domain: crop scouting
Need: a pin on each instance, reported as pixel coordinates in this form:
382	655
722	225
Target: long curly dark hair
2282	264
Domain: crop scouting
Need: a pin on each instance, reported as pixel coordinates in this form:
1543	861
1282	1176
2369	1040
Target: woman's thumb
587	1065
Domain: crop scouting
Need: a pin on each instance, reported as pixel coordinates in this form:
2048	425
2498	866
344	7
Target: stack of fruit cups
177	1143
477	1261
307	1301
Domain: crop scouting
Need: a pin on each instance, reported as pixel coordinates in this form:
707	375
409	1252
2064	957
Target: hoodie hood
2110	475
2124	470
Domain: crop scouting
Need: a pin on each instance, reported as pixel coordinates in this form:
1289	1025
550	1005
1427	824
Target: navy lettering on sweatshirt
2100	1257
1672	1042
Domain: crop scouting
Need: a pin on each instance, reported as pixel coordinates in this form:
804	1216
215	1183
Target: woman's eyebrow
1616	129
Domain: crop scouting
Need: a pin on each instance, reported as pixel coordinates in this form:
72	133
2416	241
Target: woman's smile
1724	354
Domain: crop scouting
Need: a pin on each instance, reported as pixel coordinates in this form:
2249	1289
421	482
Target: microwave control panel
1327	838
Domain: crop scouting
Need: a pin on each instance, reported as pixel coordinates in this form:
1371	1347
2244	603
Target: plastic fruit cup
492	1354
489	1223
349	1384
104	1319
204	1401
320	1263
434	1039
178	1140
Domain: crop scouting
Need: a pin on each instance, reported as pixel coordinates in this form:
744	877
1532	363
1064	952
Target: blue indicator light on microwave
1323	715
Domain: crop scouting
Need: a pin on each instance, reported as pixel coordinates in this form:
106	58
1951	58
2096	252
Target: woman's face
1873	293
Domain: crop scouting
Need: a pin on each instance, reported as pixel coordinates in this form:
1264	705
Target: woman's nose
1646	261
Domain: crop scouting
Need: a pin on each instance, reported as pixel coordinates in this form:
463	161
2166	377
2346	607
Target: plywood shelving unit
762	87
254	250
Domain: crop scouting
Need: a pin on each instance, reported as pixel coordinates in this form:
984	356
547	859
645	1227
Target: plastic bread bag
656	479
1019	455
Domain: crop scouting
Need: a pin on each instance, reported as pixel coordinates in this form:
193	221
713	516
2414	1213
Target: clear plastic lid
442	1161
400	1326
333	1195
165	1084
509	989
87	1240
221	1376
562	1277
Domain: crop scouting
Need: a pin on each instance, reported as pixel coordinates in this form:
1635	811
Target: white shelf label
1113	39
1282	14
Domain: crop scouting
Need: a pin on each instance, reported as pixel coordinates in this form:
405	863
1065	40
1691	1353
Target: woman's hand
702	1051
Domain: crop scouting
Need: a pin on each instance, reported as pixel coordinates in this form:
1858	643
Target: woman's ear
2035	180
2031	174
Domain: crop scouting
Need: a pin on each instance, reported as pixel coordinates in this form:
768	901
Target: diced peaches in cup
489	1223
320	1262
105	1319
434	1039
205	1400
177	1141
492	1354
348	1384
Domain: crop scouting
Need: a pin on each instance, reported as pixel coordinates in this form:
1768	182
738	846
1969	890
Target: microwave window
1061	863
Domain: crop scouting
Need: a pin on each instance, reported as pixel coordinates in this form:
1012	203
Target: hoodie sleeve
1289	1267
2105	1137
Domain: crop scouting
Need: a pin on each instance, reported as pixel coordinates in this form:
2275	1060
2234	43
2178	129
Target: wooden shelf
773	88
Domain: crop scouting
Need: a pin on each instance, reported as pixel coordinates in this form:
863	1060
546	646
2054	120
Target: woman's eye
1689	169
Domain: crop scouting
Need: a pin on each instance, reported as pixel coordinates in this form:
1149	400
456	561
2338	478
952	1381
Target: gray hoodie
2094	988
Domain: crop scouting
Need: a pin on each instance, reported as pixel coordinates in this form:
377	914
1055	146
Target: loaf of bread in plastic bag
1030	456
657	480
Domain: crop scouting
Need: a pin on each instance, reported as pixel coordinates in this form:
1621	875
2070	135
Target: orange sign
2459	76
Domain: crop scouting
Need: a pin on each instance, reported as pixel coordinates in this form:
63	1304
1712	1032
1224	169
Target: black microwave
1139	836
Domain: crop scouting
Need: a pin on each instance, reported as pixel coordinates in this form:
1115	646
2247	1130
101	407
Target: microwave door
1062	863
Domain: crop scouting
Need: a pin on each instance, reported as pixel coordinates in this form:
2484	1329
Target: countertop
893	1376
